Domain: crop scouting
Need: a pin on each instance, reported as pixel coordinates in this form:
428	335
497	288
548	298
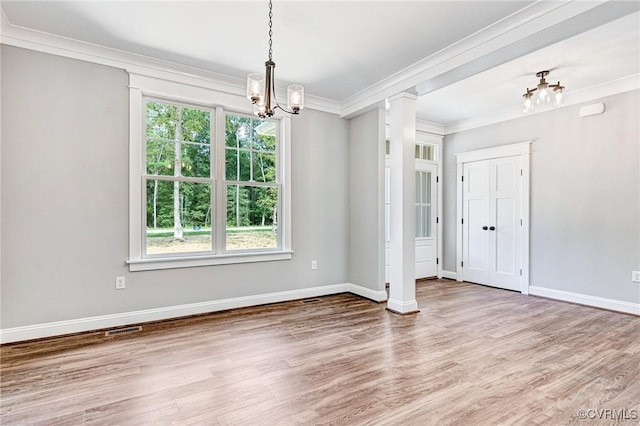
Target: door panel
492	228
506	213
476	216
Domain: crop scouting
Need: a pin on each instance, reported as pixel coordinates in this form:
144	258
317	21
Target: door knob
492	228
484	228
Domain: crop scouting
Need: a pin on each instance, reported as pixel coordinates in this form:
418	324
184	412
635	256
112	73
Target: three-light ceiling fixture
543	93
261	89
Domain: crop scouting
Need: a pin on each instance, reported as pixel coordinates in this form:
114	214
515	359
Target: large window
210	186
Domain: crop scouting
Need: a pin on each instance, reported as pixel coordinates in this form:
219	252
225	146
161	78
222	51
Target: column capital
404	95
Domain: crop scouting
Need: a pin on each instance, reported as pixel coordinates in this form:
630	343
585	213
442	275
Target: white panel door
475	213
504	241
492	227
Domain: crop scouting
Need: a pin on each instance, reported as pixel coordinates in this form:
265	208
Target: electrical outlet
635	276
120	284
314	264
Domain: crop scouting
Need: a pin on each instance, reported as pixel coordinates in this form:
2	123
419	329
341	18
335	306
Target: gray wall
366	208
585	186
65	201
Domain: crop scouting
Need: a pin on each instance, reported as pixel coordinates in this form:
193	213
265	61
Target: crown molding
490	44
430	127
16	36
588	94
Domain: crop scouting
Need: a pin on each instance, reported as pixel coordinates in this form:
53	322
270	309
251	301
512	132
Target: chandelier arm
275	97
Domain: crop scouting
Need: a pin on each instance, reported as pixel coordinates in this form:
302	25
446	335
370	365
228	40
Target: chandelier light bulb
559	97
528	103
295	97
543	94
255	86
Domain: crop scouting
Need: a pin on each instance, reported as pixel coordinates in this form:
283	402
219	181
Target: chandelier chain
270	30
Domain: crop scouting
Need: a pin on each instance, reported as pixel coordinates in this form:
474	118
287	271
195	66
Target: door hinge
462	178
520	222
461	264
462	221
521	172
520	272
437	260
437	220
437	179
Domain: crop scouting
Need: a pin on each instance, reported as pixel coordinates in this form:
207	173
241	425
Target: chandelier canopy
261	89
543	93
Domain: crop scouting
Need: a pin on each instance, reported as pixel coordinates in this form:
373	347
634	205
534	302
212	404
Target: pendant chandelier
543	93
261	89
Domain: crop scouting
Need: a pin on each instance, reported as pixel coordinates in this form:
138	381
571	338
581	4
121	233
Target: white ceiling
337	49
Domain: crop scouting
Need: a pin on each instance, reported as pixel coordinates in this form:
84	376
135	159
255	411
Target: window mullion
220	202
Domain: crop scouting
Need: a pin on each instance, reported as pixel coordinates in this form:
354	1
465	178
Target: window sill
136	265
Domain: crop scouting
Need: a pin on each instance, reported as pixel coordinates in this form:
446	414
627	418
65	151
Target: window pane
426	152
178	140
196	159
250	149
178	217
251	217
238	165
239	131
160	157
196	125
264	167
161	120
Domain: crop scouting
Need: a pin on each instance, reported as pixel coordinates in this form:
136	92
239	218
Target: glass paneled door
425	220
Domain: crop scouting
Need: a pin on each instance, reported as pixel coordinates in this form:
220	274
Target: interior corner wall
65	195
366	200
585	208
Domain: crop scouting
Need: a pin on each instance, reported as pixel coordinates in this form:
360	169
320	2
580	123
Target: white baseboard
375	295
449	274
585	299
38	331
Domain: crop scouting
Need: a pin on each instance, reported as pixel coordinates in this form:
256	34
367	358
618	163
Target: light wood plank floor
472	356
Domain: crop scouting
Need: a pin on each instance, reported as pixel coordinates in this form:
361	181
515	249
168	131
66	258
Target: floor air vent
310	300
119	331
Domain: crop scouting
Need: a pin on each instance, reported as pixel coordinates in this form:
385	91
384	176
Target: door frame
429	166
522	149
424	137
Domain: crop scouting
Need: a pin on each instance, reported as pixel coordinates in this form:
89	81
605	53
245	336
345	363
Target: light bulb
255	86
543	94
295	98
528	102
557	101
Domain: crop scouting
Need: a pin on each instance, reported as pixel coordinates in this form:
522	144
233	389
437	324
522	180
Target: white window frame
143	87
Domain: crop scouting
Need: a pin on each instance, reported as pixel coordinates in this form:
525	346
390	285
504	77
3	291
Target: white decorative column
402	282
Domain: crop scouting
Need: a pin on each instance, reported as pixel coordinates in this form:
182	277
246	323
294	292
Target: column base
402	308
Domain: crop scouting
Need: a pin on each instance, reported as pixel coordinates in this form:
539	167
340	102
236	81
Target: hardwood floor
473	355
